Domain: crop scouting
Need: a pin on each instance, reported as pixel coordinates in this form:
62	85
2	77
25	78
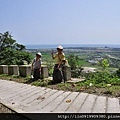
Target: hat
60	47
39	54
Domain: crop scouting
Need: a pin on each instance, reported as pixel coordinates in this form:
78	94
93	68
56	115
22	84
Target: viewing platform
23	98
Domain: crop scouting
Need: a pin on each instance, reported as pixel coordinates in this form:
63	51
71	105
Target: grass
86	86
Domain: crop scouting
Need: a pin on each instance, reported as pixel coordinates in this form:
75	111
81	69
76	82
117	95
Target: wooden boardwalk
24	98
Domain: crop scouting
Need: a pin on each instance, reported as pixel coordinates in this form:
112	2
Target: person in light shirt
59	62
36	66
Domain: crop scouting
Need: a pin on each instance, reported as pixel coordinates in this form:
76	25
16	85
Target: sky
61	21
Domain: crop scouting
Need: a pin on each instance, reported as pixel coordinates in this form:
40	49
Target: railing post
67	73
13	70
25	70
3	69
44	71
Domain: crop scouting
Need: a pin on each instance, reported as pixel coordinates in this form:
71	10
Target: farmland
88	56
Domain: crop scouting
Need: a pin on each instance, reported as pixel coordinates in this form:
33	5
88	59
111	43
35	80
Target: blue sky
61	21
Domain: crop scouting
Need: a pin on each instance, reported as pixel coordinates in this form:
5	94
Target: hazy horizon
33	46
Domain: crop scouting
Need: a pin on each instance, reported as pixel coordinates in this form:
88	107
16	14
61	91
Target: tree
73	61
76	68
11	52
104	63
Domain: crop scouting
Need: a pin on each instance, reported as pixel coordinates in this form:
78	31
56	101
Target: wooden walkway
24	98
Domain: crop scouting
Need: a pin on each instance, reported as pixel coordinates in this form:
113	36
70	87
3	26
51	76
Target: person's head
38	55
59	49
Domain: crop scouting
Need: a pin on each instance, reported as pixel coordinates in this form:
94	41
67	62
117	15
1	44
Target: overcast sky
61	21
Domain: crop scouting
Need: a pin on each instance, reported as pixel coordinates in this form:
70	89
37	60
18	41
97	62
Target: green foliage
74	62
15	76
118	73
11	52
103	77
50	65
104	63
100	77
41	83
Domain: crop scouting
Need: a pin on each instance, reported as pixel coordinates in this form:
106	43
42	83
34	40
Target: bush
75	66
104	77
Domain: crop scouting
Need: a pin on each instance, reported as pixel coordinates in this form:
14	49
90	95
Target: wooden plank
33	102
66	103
113	105
8	83
55	103
26	95
6	87
4	82
18	91
16	98
88	104
42	97
27	98
79	100
9	90
17	102
36	95
47	101
99	105
19	96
